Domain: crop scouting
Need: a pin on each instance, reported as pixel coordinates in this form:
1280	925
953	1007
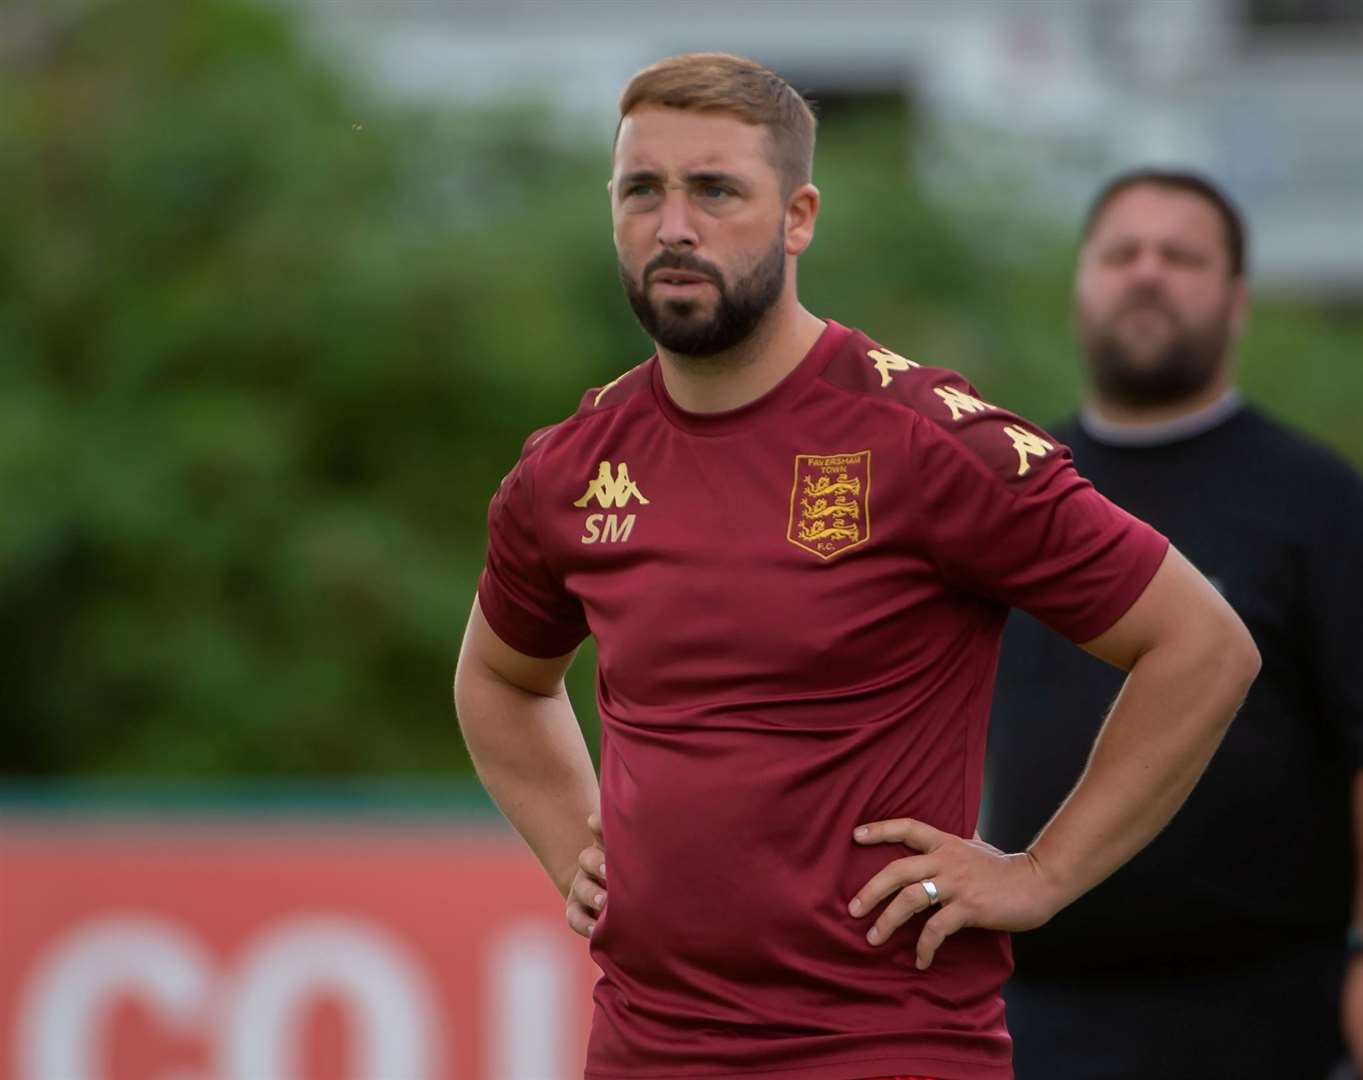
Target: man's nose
1147	267
676	227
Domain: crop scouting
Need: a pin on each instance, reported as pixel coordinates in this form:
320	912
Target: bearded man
796	549
1219	950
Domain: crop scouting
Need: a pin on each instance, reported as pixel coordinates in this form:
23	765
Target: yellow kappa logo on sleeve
1027	445
886	362
959	402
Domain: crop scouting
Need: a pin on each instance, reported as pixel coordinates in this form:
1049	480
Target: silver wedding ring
931	889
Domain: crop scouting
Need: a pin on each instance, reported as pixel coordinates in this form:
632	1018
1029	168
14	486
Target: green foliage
268	343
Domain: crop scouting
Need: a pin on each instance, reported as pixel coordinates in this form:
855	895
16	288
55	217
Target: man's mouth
679	277
1145	303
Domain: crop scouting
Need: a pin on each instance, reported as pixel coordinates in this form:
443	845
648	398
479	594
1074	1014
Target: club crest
830	502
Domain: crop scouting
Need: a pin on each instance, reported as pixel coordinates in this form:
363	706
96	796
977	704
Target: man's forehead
1156	211
664	140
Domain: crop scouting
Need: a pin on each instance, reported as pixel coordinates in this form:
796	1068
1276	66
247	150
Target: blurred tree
268	343
265	355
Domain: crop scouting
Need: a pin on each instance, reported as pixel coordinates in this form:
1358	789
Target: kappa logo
959	402
887	362
610	491
1027	445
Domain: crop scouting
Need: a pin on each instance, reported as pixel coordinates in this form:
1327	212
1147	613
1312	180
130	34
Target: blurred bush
268	342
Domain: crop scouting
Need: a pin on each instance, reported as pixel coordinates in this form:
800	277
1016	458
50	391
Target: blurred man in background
1219	950
796	549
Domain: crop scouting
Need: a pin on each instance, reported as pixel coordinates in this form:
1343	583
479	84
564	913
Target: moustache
1146	298
676	260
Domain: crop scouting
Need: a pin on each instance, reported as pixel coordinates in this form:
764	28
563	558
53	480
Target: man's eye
714	191
635	190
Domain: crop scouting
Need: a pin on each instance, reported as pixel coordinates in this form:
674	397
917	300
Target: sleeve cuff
522	631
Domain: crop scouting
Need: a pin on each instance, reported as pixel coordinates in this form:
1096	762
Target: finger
580	920
910	901
594	823
917	834
592	862
588	893
894	876
936	930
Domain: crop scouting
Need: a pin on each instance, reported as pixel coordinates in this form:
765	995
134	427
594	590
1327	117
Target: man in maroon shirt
796	549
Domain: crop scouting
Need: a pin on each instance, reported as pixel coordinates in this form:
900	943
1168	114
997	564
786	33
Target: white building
1038	99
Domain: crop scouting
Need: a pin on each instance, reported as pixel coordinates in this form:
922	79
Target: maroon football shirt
797	606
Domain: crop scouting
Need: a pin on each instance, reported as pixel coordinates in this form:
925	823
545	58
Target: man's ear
802	208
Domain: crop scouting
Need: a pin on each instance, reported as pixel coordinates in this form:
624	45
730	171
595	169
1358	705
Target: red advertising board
261	950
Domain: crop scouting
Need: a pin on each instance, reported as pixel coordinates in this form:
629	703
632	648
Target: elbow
1218	662
1236	660
1248	659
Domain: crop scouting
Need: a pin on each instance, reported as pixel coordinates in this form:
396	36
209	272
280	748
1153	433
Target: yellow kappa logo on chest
610	491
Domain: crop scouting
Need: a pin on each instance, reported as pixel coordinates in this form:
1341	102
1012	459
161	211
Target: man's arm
1190	660
528	749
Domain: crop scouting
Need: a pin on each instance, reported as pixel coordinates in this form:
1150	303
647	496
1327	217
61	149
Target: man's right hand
587	894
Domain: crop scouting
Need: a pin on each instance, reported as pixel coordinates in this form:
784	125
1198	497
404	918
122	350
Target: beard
1141	373
681	327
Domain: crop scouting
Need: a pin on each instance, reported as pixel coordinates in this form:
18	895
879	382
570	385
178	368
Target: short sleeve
1008	517
521	597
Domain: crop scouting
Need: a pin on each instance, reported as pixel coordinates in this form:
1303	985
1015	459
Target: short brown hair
724	83
1232	221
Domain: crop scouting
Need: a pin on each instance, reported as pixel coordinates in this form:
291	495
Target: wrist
1053	895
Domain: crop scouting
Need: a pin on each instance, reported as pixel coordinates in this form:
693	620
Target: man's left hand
976	885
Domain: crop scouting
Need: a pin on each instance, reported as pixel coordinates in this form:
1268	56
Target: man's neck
731	379
1121	414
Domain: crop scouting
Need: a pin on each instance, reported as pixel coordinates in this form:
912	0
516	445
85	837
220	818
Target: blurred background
284	285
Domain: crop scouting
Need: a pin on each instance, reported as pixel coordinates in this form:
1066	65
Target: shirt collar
1161	432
